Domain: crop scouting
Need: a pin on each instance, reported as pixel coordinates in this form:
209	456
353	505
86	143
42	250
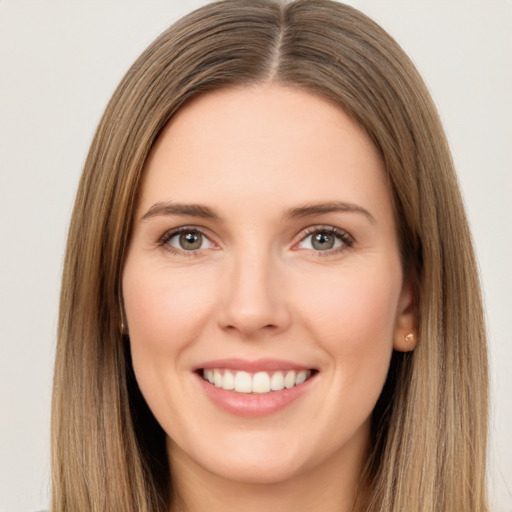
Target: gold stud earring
409	338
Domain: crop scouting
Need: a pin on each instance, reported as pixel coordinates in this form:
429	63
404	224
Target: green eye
323	241
188	240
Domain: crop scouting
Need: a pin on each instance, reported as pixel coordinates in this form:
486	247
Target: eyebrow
310	210
190	210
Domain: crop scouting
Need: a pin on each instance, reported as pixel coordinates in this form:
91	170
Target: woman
270	296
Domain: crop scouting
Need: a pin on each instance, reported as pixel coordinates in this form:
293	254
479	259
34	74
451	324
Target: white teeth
208	375
277	381
289	380
301	377
229	381
217	378
243	382
260	382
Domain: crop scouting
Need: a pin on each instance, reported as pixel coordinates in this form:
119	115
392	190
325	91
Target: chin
262	471
251	459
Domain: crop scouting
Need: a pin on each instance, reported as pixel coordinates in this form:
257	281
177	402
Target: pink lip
259	365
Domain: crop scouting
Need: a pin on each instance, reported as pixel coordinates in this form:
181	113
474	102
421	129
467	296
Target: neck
328	487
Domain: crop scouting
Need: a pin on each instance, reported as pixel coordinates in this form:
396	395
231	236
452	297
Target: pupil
323	241
191	240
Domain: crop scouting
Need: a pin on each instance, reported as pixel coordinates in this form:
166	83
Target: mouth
255	388
261	382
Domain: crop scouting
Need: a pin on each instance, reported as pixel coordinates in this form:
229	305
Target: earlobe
405	337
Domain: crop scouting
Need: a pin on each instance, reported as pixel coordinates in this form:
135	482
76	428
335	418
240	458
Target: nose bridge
254	298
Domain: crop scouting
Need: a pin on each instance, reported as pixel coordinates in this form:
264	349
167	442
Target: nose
254	302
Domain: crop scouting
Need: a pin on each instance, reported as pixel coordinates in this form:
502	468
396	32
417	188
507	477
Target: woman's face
264	252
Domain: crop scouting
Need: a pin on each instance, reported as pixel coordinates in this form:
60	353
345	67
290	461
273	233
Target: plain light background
60	61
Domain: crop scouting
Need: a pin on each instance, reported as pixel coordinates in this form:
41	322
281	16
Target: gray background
59	63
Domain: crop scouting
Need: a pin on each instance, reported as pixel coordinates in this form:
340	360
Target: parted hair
429	427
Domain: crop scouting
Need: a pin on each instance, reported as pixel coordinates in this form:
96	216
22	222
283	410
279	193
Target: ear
405	335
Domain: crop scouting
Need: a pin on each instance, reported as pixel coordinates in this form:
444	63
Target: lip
258	365
253	405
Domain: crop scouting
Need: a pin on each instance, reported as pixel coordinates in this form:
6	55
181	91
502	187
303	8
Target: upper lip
257	365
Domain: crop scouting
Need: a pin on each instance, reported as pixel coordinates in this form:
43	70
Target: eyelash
346	239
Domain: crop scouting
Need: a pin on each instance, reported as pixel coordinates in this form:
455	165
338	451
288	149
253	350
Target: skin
257	288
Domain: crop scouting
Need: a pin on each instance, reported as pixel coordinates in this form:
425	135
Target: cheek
353	318
165	311
353	302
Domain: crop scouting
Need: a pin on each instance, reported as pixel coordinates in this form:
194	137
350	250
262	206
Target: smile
256	388
260	382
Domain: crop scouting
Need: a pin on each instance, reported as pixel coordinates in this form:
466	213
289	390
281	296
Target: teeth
217	378
277	381
301	377
228	381
243	382
289	380
208	375
260	382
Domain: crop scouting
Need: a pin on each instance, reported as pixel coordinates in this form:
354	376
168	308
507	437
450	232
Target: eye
325	239
186	239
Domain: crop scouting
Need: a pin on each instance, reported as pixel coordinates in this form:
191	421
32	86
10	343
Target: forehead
263	143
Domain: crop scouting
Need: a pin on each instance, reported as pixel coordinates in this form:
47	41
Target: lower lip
253	405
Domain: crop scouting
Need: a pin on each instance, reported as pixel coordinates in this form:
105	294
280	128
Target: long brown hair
428	446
